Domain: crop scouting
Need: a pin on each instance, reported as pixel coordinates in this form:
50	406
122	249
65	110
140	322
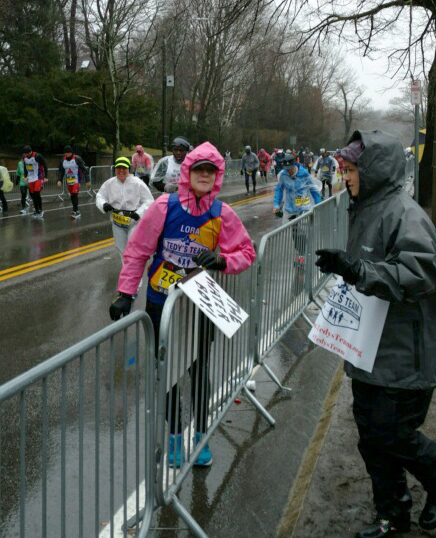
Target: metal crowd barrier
99	403
50	190
200	372
288	279
83	421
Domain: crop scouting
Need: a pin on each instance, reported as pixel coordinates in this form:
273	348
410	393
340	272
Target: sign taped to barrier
213	301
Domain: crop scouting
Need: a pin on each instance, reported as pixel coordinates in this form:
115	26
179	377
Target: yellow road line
53	262
24	268
104	242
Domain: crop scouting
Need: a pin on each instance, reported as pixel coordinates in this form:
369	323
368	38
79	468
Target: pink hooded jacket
264	160
233	240
140	159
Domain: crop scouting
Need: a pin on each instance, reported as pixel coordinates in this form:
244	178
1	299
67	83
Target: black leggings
247	179
3	201
75	201
37	200
199	372
23	189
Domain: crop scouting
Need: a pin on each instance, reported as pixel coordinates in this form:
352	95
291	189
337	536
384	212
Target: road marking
28	267
303	480
52	260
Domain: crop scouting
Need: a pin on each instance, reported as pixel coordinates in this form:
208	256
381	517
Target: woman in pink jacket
182	231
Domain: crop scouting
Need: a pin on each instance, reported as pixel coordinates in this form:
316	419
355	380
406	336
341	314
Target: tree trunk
427	173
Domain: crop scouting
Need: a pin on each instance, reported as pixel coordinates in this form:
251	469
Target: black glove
121	306
338	262
210	260
107	207
279	213
134	215
242	172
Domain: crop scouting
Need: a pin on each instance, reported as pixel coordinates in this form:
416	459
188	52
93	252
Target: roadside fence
199	372
83	422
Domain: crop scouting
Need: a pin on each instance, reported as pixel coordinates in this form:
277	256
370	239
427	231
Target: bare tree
350	103
366	23
401	110
121	38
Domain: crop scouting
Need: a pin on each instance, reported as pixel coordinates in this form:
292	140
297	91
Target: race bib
325	169
140	170
121	220
168	275
29	167
302	201
71	180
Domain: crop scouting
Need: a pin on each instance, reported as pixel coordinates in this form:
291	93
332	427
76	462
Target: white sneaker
23	211
75	214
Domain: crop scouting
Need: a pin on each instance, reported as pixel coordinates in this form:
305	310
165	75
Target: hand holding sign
210	260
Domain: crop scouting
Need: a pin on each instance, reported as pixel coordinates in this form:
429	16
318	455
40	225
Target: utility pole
164	100
415	98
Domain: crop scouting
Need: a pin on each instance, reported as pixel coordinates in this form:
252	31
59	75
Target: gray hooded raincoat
396	242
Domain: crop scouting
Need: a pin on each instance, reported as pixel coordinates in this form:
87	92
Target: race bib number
325	169
302	201
121	220
71	180
140	170
169	274
29	167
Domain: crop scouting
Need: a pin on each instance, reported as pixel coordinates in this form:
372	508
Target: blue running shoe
205	457
175	451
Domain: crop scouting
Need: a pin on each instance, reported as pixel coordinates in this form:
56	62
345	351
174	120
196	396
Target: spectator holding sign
182	231
391	254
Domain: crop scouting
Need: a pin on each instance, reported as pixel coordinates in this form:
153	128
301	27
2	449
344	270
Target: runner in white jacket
127	197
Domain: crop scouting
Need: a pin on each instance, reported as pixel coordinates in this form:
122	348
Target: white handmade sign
350	325
218	306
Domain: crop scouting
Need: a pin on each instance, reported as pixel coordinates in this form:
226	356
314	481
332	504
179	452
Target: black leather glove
210	260
279	213
338	262
242	172
134	215
121	306
107	207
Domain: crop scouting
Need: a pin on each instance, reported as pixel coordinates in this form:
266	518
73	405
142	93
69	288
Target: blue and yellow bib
183	237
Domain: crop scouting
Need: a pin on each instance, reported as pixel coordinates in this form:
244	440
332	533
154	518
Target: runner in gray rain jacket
249	166
391	254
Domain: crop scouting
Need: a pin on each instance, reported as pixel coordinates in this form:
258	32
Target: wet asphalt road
243	493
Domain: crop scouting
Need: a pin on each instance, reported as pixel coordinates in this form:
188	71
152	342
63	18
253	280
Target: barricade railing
288	279
201	371
324	230
83	422
50	189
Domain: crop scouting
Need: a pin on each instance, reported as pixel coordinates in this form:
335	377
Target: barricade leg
259	406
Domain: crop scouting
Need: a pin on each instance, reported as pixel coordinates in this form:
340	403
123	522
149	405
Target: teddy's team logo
342	309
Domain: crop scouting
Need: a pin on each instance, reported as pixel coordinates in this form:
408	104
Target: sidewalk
338	502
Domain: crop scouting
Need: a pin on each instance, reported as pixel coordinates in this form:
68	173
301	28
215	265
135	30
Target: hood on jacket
205	151
381	164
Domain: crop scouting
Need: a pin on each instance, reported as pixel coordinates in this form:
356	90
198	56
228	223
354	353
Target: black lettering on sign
205	299
220	306
234	311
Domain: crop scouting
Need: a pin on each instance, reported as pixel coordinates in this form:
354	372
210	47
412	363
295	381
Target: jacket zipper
415	326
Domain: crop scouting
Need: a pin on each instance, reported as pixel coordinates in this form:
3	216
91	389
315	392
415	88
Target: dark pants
37	200
329	183
23	190
3	201
75	201
387	420
247	179
199	372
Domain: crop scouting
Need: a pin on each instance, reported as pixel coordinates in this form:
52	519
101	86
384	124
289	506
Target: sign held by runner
213	301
